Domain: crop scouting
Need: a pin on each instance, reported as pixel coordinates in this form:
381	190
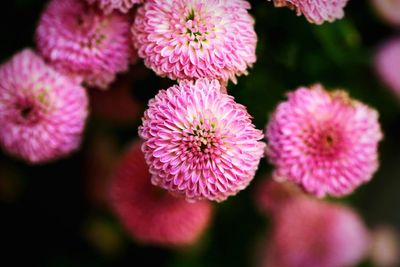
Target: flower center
198	28
203	142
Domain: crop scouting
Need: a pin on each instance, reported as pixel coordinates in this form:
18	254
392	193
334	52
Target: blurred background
57	214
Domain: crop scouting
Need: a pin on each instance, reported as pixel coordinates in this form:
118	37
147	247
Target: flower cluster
324	141
315	11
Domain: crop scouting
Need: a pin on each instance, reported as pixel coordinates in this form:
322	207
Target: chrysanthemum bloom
190	39
388	10
79	40
42	112
200	143
109	6
387	64
150	214
311	233
315	11
324	141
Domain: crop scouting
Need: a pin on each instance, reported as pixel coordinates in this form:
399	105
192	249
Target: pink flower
109	6
311	233
388	10
316	11
387	64
272	195
42	112
200	143
79	40
149	214
190	39
324	141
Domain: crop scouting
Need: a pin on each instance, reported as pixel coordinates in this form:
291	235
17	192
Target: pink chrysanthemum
190	39
109	6
150	214
200	143
389	10
80	40
324	141
42	112
387	64
316	11
311	233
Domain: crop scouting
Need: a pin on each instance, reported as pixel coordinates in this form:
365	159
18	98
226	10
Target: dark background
48	219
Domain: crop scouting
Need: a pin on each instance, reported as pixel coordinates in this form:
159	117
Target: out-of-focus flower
199	142
118	104
388	10
387	64
109	6
81	41
272	195
385	248
315	11
310	233
190	39
150	214
324	141
42	112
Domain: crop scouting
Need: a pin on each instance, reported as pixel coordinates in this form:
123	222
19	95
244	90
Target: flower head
150	214
324	141
387	64
190	39
199	142
42	112
389	10
311	233
79	40
315	11
109	6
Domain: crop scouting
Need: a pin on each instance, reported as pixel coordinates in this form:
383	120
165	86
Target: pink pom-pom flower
388	10
200	143
190	39
311	233
324	141
81	41
387	64
150	214
109	6
315	11
42	112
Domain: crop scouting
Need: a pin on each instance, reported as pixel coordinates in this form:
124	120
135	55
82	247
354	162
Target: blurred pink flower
190	39
108	6
272	195
199	142
42	112
311	233
150	214
79	40
315	11
324	141
387	64
388	10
